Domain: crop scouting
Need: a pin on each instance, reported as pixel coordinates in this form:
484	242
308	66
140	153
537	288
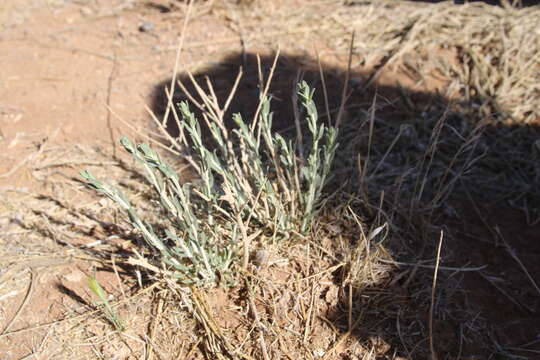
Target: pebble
146	27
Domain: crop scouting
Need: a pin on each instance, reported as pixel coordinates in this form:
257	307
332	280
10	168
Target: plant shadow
476	179
73	295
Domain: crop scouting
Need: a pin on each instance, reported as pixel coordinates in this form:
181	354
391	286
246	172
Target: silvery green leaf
127	144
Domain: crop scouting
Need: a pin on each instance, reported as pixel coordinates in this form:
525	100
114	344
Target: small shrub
252	181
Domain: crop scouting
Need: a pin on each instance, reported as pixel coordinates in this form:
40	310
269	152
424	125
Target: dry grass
487	53
358	285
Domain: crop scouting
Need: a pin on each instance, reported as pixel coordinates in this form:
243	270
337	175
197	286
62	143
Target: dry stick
380	210
188	158
92	312
493	282
215	114
516	258
75	163
140	133
162	125
156	321
390	148
245	339
243	231
370	140
431	343
194	347
259	72
233	90
176	62
398	327
283	347
213	98
165	134
349	312
330	269
470	143
108	101
267	86
117	277
23	304
41	346
188	94
361	176
421	181
367	242
296	112
479	212
260	326
446	268
247	239
309	314
207	102
325	90
345	84
180	352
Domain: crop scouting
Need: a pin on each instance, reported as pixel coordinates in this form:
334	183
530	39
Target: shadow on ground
480	188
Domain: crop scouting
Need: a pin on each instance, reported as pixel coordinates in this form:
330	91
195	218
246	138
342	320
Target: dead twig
27	297
432	305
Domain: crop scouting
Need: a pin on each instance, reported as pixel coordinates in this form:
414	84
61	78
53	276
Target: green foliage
252	178
105	306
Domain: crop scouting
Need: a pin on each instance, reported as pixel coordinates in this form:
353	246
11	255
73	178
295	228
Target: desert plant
253	182
105	306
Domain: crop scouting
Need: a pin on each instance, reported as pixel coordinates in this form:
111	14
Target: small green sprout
105	306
